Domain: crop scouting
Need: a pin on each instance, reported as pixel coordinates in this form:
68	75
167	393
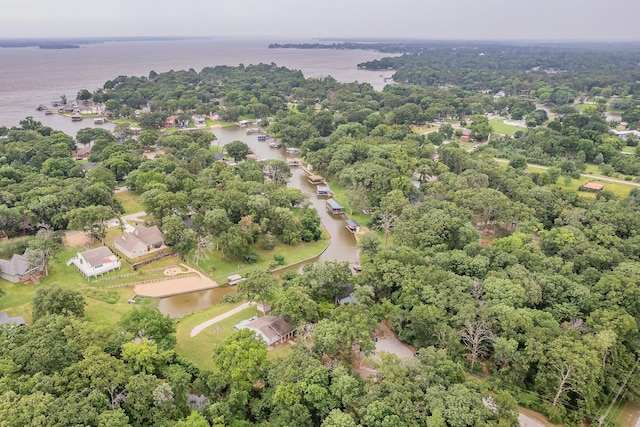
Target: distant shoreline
72	42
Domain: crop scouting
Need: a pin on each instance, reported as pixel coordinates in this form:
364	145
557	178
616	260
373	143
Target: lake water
31	76
342	245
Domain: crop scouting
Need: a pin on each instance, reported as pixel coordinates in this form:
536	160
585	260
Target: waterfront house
273	330
18	268
335	208
140	241
83	153
95	262
199	121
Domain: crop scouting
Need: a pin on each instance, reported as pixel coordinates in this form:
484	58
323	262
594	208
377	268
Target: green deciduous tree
56	300
148	322
241	357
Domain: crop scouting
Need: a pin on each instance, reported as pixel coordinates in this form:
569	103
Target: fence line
162	279
124	276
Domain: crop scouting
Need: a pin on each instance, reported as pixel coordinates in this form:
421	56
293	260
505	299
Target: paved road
526	421
202	326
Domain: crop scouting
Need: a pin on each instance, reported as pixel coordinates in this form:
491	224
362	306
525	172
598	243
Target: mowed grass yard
18	297
498	126
620	190
219	268
199	349
129	201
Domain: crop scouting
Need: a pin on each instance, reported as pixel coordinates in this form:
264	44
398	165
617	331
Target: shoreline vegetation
513	282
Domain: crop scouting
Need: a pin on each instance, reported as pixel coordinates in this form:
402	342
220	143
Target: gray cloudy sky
444	19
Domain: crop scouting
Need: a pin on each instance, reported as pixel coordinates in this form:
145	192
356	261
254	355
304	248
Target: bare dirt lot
75	239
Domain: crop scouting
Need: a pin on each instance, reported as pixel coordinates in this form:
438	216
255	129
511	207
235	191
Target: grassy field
199	349
219	268
625	414
620	190
424	128
129	201
17	300
628	149
498	126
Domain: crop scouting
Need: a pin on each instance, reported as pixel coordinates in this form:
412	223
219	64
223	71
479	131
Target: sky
588	20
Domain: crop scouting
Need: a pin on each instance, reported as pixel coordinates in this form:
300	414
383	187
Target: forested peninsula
495	189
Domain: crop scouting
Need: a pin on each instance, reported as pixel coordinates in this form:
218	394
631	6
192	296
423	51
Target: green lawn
17	300
628	149
199	349
498	126
625	414
129	201
620	190
219	268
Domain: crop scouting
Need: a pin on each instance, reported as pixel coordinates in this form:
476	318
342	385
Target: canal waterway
342	244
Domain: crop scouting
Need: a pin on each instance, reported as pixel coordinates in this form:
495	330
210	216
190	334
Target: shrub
268	242
251	257
110	297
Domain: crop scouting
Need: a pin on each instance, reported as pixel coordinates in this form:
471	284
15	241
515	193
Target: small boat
293	161
48	112
262	137
76	117
275	144
292	150
99	121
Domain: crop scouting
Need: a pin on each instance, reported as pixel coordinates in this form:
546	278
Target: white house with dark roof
95	262
140	241
17	268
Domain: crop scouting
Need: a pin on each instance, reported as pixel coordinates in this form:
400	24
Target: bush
231	298
279	259
268	242
14	246
251	257
289	275
110	297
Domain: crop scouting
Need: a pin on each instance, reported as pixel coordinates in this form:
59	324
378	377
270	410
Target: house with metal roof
95	262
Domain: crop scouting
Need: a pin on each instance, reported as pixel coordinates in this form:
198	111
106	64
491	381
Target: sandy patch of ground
75	239
172	271
152	154
179	285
